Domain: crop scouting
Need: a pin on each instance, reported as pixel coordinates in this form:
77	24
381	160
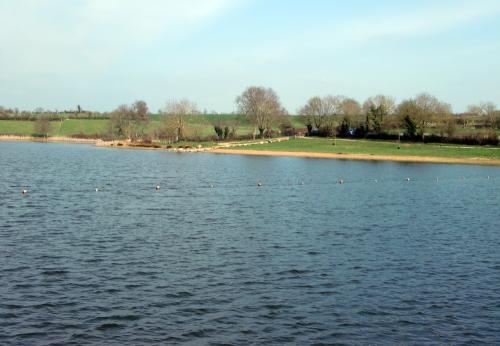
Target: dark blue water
365	262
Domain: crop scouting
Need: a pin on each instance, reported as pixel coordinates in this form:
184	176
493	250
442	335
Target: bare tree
121	121
350	108
388	103
319	112
141	111
174	116
130	121
262	108
408	112
489	109
431	110
314	113
424	110
474	110
486	110
41	126
140	117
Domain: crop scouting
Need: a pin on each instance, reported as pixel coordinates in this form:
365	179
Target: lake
211	258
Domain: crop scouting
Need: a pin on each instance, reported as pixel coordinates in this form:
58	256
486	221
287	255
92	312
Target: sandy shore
8	138
228	150
365	157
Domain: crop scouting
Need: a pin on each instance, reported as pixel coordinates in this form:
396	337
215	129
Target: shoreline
11	138
362	157
226	150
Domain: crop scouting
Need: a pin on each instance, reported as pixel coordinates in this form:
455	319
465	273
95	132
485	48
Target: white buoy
407	179
96	189
212	186
24	192
340	181
259	184
157	188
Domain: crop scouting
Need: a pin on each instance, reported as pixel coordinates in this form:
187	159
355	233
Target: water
381	262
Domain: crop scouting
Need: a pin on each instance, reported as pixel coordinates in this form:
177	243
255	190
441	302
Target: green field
197	125
371	147
58	128
203	126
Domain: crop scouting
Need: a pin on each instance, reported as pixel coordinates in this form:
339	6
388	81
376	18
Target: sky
56	54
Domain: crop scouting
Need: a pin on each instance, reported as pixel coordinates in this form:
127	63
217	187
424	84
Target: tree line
327	116
381	117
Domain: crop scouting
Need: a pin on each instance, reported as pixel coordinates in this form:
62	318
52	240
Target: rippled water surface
376	260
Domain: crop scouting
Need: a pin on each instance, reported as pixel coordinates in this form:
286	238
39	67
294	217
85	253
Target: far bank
342	149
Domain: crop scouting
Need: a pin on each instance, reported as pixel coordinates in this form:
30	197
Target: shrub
287	129
343	130
326	131
483	138
410	126
85	136
219	131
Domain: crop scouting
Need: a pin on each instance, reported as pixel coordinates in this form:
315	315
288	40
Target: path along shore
364	157
231	149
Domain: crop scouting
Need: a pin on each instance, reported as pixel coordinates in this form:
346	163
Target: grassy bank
69	127
200	125
383	148
203	125
196	125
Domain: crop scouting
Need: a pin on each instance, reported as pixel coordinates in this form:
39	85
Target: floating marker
157	187
340	181
24	192
407	179
259	184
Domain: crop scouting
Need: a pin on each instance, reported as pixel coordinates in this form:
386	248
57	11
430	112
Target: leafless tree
140	117
262	108
41	126
174	117
387	102
488	110
121	121
350	107
474	110
424	110
319	112
234	125
141	110
314	113
130	121
378	109
431	110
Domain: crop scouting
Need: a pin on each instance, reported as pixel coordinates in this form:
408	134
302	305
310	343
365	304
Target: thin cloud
60	37
324	39
422	22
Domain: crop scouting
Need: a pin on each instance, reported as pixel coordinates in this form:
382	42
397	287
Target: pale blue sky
102	53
